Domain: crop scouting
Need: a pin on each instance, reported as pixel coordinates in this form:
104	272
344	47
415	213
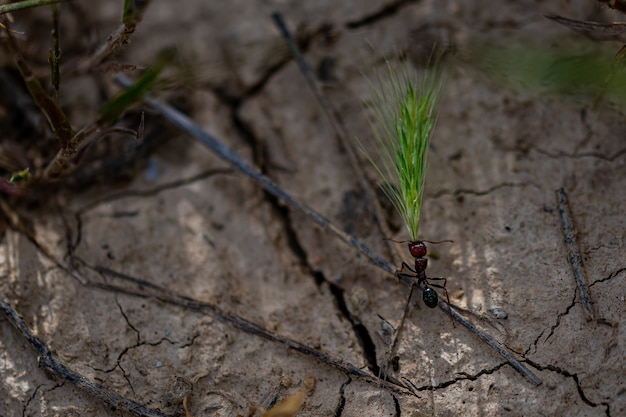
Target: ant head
417	249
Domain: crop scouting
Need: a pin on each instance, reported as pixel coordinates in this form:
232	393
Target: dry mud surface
498	155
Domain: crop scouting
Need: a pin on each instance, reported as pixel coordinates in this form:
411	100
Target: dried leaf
290	406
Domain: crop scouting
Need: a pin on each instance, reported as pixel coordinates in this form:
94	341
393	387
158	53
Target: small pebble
159	364
498	313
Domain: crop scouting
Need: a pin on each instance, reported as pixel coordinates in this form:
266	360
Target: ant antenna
395	241
438	242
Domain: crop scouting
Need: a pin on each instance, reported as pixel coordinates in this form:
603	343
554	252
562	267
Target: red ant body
418	250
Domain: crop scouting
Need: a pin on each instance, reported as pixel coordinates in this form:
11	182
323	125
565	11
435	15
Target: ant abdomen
430	297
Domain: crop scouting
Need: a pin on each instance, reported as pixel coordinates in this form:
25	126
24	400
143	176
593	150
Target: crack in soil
465	377
610	277
597	155
30	399
139	342
342	398
574	377
127	321
360	331
125	376
191	342
396	404
388	10
558	319
118	364
489	190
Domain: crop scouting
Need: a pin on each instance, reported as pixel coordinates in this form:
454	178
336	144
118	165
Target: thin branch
574	256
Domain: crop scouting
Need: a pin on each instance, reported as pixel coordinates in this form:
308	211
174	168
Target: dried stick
51	364
117	40
229	155
574	257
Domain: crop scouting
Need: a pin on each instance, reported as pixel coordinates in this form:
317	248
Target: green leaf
133	94
20	176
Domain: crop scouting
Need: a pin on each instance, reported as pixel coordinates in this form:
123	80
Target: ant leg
406	266
407	307
445	291
393	344
445	280
403	277
443	287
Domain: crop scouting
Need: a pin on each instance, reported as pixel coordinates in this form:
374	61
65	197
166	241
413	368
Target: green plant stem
58	121
13	7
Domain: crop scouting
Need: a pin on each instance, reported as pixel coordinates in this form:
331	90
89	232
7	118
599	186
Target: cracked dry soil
498	156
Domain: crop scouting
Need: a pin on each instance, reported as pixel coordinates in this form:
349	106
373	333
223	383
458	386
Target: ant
418	250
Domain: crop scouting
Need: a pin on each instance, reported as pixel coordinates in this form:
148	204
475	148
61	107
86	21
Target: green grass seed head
405	115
